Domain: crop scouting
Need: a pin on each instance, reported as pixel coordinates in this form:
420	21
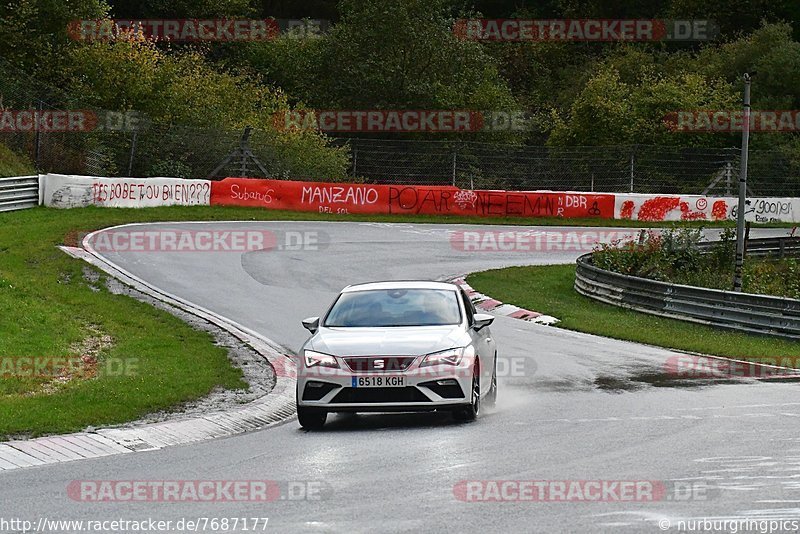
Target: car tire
470	411
311	419
491	396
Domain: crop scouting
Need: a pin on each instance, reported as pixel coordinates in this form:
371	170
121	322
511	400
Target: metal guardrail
780	247
777	247
744	312
19	192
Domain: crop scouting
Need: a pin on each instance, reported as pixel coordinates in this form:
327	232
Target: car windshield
395	307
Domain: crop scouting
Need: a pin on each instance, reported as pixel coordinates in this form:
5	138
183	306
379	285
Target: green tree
772	53
630	107
736	17
387	55
33	33
180	9
183	89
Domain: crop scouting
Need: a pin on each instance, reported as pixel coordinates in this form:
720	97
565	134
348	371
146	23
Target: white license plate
379	381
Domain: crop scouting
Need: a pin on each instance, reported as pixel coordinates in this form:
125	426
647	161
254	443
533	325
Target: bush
674	256
658	256
170	168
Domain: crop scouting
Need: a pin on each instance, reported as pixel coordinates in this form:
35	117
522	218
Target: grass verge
13	164
549	289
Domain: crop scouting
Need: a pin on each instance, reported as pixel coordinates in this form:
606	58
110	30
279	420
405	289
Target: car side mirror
311	324
481	320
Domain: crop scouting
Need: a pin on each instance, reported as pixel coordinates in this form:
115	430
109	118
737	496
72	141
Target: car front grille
365	364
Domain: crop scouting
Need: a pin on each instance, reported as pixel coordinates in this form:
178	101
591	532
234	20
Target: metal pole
133	151
454	168
243	165
737	276
37	148
244	147
631	172
355	162
728	179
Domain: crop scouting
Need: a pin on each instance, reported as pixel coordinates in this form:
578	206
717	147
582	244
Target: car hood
399	341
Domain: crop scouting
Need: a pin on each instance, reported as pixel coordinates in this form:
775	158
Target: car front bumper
439	387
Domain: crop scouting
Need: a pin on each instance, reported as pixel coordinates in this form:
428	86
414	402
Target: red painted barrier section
325	197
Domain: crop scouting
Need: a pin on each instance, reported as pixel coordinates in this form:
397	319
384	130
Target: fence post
243	170
37	148
355	162
455	152
728	179
133	151
631	172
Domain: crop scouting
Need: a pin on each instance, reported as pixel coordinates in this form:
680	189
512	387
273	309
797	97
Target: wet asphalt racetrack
583	408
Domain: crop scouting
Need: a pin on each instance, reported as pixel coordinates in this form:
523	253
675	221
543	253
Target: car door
483	343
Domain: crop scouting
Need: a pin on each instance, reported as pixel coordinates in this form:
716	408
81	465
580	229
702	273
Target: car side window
470	309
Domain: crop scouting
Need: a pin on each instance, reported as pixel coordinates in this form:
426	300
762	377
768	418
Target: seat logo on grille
378	364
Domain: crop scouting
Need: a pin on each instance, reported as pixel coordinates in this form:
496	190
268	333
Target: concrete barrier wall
65	191
326	197
701	208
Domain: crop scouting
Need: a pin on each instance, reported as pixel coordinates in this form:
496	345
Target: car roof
401	284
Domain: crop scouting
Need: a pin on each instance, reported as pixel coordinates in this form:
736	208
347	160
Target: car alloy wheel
491	397
470	412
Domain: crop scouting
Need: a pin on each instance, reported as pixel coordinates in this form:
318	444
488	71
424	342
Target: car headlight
445	357
317	359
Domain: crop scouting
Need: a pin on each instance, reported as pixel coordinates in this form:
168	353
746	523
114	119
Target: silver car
397	346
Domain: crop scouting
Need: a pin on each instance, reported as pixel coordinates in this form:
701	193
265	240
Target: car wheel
470	412
491	397
311	419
